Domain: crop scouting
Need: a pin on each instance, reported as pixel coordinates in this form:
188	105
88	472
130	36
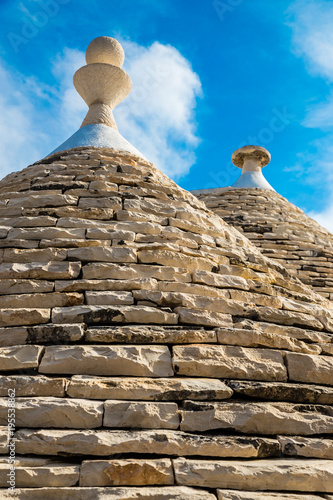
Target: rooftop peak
251	159
102	83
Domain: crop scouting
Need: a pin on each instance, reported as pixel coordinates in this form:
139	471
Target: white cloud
312	37
158	117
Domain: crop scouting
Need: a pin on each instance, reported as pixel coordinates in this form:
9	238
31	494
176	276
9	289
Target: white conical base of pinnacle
98	136
252	179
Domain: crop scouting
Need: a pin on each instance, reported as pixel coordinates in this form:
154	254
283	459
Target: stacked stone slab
154	351
280	230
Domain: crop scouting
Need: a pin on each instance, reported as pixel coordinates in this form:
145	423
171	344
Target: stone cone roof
280	230
154	351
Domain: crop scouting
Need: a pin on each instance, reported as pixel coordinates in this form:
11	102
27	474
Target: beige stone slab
258	418
146	389
4	440
140	415
36	270
132	360
159	442
193	288
109	298
168	258
43	200
112	314
203	318
41	300
229	362
56	474
47	233
26	316
15	335
104	285
54	412
32	385
20	357
73	243
310	369
100	202
128	472
56	334
288	318
15	286
254	495
149	334
253	338
274	474
282	391
307	447
34	255
135	271
103	254
109	234
116	493
217	280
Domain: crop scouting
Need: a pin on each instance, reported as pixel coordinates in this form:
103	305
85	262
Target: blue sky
222	74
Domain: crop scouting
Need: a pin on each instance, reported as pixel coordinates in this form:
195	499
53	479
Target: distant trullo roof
278	228
154	351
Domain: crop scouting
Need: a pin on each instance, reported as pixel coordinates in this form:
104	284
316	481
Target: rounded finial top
256	154
105	49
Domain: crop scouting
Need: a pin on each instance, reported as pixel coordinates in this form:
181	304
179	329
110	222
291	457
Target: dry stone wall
154	351
280	230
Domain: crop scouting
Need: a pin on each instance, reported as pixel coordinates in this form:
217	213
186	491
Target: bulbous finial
102	83
251	159
105	49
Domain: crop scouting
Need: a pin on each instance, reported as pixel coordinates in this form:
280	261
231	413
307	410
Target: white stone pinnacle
251	159
102	83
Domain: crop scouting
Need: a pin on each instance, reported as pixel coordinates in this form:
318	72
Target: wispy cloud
158	117
311	22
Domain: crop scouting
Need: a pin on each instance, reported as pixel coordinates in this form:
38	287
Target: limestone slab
307	447
159	442
149	334
20	357
282	391
112	314
36	270
310	369
203	318
103	254
252	338
146	389
220	281
135	271
132	360
250	495
56	474
4	440
229	362
274	474
104	285
26	316
41	300
129	472
109	298
13	286
116	493
15	335
261	418
54	412
140	415
32	385
54	333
